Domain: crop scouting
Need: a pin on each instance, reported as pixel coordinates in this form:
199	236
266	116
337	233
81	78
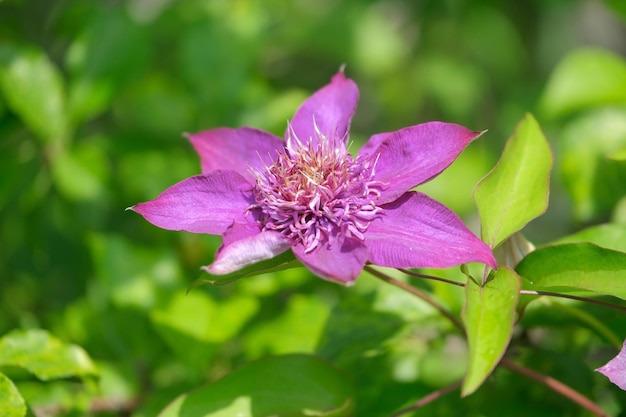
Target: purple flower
266	195
615	369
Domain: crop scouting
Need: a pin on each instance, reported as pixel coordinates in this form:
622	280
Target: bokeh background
95	96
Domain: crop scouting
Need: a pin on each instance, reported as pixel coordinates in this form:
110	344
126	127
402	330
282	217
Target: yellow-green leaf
44	355
11	402
489	315
516	190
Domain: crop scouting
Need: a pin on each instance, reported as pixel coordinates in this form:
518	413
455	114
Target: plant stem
574	297
418	293
428	398
556	386
548	381
527	292
431	277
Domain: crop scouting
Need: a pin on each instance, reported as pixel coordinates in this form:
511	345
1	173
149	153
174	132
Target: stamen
316	193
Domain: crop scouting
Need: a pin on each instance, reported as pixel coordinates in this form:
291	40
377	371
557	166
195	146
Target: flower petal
235	149
615	369
331	107
371	146
341	264
200	204
416	154
245	244
419	232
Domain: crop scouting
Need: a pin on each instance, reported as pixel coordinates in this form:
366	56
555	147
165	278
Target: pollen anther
316	193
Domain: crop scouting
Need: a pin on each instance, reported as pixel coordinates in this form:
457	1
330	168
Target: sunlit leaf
33	89
489	316
131	275
297	329
355	327
575	267
516	190
619	155
285	260
281	386
583	79
193	323
44	355
80	173
11	402
593	181
610	236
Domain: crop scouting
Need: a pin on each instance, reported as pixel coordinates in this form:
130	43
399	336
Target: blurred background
95	96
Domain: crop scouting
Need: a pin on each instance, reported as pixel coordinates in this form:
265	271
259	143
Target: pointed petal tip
419	232
328	110
244	244
349	284
615	369
340	75
479	133
215	269
492	264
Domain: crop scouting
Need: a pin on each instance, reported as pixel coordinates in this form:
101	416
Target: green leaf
285	260
80	173
610	236
355	327
33	89
593	181
192	323
576	266
44	355
131	276
11	402
289	386
297	329
516	190
619	155
583	79
489	315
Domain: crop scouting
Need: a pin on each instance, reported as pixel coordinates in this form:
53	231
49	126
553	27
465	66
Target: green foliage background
94	97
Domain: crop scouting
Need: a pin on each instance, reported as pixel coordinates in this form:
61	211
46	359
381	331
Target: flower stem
574	297
428	398
431	277
418	293
527	292
548	381
556	386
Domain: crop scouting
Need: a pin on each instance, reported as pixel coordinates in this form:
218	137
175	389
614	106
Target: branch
574	297
428	398
418	293
556	386
431	277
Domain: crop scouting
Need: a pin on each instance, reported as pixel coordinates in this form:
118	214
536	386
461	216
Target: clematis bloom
307	193
615	369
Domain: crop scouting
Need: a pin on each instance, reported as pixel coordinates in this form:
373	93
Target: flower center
317	193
